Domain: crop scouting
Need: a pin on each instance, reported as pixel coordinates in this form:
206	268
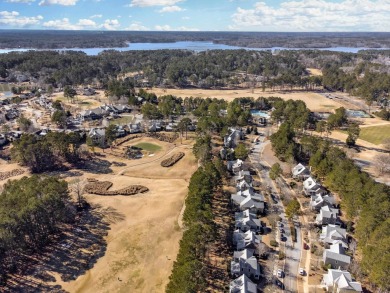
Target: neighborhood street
292	249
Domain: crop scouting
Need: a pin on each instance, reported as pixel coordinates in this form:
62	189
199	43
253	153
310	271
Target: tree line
189	269
47	153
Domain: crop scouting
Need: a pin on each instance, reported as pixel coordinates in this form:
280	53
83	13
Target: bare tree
382	163
386	143
77	188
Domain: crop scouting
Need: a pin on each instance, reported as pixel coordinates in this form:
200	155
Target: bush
172	160
293	233
282	255
274	243
313	249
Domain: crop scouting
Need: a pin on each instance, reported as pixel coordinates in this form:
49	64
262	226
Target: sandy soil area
314	101
314	71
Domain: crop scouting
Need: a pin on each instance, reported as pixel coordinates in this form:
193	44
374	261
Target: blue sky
204	15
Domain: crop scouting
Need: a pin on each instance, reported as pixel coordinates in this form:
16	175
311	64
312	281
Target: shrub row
101	188
172	160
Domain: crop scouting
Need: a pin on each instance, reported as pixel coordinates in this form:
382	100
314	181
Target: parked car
301	271
280	273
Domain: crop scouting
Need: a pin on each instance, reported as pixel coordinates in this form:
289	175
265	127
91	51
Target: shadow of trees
95	166
74	251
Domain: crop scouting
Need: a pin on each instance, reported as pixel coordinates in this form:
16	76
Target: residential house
231	140
155	125
235	166
245	263
318	201
333	234
248	239
328	215
300	172
245	221
93	114
248	199
243	175
97	136
311	187
3	140
242	285
336	257
338	281
243	185
89	91
134	127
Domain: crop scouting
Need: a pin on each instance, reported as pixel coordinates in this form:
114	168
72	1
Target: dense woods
46	153
365	202
108	39
31	211
365	74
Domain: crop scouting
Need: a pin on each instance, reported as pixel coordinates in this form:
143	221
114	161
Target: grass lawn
5	87
150	147
122	120
375	134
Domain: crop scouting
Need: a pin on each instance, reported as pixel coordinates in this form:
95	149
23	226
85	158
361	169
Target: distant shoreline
196	46
59	39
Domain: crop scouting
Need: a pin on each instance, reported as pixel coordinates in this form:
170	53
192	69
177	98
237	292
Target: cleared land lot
314	101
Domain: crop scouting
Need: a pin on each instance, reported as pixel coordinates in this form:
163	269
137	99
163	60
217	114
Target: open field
314	71
314	101
142	239
141	248
375	134
82	102
147	146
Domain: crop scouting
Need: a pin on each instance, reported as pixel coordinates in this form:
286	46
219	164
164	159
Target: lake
192	46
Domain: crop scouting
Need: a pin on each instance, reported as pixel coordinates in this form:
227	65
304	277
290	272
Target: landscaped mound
12	173
102	188
172	160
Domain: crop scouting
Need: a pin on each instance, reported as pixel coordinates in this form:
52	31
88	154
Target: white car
301	271
280	273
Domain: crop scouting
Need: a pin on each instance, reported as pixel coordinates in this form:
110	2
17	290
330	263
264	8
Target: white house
248	239
338	281
242	285
317	201
245	263
328	215
311	187
245	221
300	172
248	199
333	234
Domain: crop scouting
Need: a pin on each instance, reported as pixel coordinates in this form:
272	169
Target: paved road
292	250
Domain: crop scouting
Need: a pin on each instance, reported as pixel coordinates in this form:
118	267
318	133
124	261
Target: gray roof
337	252
245	264
332	233
242	285
243	240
